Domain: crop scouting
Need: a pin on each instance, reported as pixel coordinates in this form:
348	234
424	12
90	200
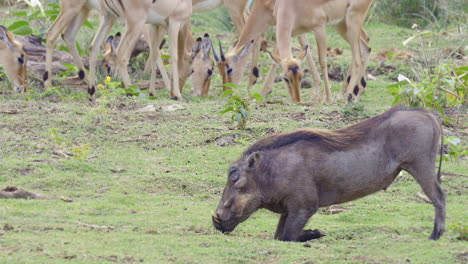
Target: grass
143	183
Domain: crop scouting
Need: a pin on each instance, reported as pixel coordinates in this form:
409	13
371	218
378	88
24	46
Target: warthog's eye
229	71
234	174
210	72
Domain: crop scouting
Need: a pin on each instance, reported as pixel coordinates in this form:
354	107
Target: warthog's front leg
293	225
305	235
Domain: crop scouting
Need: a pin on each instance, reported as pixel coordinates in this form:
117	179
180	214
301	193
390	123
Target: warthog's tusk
215	218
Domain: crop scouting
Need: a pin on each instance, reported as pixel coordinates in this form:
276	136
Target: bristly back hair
337	140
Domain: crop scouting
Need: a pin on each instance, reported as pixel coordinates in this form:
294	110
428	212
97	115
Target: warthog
295	173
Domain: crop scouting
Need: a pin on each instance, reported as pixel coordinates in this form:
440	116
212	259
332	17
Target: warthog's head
241	196
14	60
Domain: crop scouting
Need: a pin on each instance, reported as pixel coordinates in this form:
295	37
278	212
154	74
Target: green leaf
258	97
54	6
229	109
165	57
17	25
227	92
231	86
51	12
23	31
88	24
21	13
238	117
244	113
398	84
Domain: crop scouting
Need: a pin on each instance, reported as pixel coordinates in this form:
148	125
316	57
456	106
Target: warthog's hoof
310	234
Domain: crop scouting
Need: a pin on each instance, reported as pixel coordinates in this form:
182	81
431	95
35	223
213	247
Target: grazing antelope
298	17
14	59
261	17
111	10
295	18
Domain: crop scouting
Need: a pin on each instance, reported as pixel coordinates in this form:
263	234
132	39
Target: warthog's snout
223	226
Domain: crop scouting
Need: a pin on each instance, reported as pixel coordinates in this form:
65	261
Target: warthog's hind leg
426	177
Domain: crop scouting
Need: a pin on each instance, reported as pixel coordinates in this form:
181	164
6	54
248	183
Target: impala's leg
365	51
107	20
254	72
174	28
157	34
185	43
148	38
310	60
321	38
237	10
354	20
270	79
134	27
69	38
66	15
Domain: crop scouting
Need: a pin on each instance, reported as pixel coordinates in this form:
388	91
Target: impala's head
14	60
292	72
110	59
230	65
202	66
241	196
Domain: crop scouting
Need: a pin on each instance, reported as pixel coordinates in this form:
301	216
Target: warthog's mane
337	140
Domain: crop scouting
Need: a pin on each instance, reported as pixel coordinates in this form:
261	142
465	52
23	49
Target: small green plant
353	110
56	138
81	152
238	104
461	229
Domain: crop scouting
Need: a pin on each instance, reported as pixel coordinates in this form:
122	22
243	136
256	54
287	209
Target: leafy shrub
442	88
238	104
433	13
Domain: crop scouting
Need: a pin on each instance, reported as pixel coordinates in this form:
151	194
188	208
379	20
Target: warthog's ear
254	159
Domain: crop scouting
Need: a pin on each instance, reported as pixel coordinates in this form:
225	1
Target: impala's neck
260	18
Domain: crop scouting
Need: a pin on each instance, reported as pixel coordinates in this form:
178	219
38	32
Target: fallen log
11	192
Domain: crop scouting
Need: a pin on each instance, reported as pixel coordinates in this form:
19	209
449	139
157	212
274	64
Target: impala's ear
163	42
108	46
4	37
303	53
3	33
245	50
275	58
196	48
206	47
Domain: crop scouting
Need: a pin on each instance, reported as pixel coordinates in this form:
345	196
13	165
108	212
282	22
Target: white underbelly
335	21
156	18
206	5
93	4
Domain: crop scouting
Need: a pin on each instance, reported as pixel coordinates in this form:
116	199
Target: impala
295	18
14	59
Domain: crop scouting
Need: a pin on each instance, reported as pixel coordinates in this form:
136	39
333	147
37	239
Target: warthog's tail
439	174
